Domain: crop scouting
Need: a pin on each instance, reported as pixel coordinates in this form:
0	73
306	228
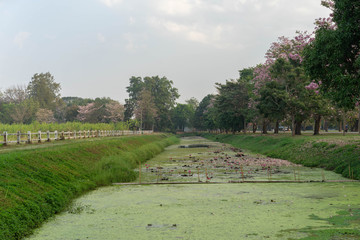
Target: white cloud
20	39
101	38
175	7
111	3
200	33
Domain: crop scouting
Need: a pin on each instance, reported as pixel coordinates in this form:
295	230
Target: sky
93	47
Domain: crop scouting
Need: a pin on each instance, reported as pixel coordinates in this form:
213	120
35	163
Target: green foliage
292	79
164	96
43	89
182	116
231	105
333	57
37	183
272	101
204	118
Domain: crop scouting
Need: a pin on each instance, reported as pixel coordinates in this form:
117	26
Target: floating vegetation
215	211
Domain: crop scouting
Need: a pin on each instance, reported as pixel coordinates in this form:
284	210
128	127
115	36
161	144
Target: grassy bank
37	183
340	154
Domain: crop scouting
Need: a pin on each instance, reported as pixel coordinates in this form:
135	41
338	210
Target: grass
340	154
37	183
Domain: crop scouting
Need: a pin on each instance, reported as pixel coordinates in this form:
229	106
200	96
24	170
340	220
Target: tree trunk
326	125
317	124
298	127
276	130
245	125
340	126
254	127
293	126
264	127
359	122
345	128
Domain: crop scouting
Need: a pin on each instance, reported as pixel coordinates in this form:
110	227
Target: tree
292	77
23	112
43	89
71	113
272	103
193	103
164	96
145	110
182	116
114	111
231	104
203	117
88	113
45	116
332	59
134	89
16	94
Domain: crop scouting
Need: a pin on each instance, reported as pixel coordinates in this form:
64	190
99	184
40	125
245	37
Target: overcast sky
93	47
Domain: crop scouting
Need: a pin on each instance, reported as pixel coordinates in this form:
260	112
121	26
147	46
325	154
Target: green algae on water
216	211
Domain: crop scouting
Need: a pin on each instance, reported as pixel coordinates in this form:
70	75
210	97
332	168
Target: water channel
221	210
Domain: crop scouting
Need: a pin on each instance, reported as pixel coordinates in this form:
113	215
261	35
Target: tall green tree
204	117
145	111
164	96
182	115
272	103
231	104
333	57
43	89
291	76
136	85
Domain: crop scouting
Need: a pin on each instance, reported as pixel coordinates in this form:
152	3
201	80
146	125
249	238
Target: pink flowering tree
284	67
114	112
87	113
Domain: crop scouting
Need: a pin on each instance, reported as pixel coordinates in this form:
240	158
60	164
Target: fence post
48	136
39	137
62	137
74	134
18	137
29	137
5	138
56	135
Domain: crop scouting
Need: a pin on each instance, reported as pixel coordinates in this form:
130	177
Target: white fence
38	137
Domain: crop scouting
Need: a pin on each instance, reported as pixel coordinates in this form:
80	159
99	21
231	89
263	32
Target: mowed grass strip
37	183
340	154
